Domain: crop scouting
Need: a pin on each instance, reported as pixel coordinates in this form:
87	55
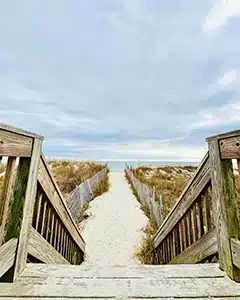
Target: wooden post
19	224
224	207
6	195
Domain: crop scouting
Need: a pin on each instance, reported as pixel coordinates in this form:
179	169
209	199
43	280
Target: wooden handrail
36	201
52	218
189	220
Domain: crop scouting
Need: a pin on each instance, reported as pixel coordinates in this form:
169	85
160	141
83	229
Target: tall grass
144	254
168	181
70	174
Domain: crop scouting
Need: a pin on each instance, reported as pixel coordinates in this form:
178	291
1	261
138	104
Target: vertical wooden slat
48	229
174	242
184	233
206	207
6	195
201	215
52	228
198	220
39	207
55	233
225	207
180	236
194	223
42	231
188	228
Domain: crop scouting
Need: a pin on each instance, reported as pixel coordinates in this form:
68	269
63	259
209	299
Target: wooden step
121	282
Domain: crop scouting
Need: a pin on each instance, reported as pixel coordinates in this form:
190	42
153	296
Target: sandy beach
113	232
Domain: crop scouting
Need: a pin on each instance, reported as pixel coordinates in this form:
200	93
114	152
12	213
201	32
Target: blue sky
121	79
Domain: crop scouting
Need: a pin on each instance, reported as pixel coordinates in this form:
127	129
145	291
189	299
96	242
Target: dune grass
69	174
144	253
168	181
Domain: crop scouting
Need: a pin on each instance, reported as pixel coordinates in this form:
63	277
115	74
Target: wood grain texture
226	135
7	255
38	247
235	246
49	186
29	202
198	251
225	208
6	195
12	144
189	195
19	131
16	214
230	147
121	288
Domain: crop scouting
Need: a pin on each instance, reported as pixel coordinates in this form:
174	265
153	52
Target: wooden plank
7	255
225	208
226	135
189	195
50	188
194	223
39	206
230	147
43	225
235	246
29	202
127	271
20	131
6	195
122	288
15	219
195	253
42	250
206	206
110	298
12	144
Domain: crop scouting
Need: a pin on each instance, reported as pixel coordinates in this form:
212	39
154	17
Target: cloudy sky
121	79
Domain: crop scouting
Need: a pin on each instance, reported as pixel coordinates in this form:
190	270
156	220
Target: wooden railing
38	226
188	233
204	223
147	196
223	149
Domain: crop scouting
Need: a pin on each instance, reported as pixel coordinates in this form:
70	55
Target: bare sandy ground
113	232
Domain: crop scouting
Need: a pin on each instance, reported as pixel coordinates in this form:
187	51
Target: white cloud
224	115
227	78
162	150
220	13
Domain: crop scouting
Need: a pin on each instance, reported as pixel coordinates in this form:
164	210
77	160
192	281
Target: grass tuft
145	252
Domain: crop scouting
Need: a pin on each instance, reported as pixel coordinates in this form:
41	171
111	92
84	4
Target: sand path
113	232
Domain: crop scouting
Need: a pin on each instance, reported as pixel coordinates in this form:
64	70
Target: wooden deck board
131	271
159	282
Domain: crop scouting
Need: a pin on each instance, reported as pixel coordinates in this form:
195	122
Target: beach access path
114	230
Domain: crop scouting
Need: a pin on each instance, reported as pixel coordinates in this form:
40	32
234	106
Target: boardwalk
114	231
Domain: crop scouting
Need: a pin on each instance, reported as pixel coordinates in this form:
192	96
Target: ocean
121	164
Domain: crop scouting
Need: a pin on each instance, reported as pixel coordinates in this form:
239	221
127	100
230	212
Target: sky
121	79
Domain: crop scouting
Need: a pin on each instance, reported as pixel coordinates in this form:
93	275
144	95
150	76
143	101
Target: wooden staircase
41	248
201	281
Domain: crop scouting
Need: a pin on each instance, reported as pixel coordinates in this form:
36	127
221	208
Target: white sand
113	232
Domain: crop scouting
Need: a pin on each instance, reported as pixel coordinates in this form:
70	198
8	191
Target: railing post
20	219
224	207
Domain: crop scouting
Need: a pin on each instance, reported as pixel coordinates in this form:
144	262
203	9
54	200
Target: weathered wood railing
38	226
84	193
147	196
188	233
223	149
205	220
